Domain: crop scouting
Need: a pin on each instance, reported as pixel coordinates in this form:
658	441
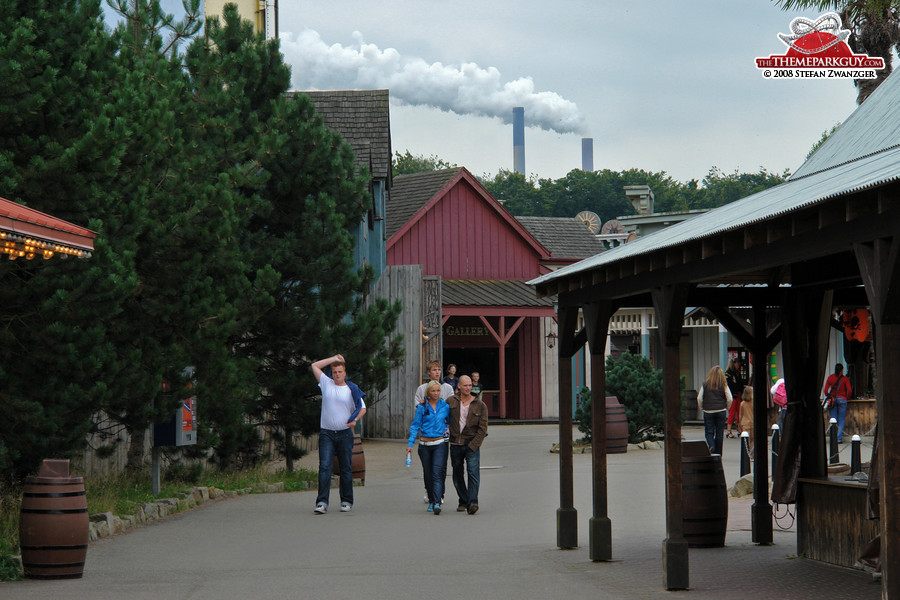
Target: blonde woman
428	425
714	399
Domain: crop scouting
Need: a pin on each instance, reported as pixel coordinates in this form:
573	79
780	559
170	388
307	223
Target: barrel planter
616	427
53	523
357	461
705	501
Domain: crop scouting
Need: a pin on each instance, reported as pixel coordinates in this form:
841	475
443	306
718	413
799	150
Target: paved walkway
273	546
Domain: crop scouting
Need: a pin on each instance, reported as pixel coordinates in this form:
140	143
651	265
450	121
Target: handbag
829	396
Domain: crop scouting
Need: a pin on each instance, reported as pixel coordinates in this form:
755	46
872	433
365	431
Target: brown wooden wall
831	522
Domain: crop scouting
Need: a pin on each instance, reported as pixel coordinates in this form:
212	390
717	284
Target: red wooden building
492	322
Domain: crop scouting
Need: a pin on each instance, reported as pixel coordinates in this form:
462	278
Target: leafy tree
407	163
721	189
519	195
874	30
601	191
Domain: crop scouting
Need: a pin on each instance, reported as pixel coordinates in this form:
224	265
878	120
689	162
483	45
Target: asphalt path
388	546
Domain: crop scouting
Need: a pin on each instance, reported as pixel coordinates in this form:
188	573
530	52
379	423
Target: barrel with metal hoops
53	523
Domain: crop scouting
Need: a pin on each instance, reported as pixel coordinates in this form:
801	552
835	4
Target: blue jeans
714	429
333	443
434	468
838	411
468	493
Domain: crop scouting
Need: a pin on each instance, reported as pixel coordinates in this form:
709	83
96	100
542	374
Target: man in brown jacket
468	428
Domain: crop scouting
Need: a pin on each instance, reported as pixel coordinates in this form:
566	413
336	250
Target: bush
583	413
638	386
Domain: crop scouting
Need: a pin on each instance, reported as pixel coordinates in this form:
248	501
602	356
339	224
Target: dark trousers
466	464
714	429
331	444
434	468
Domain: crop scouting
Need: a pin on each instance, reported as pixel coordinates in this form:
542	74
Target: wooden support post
669	303
597	317
761	510
566	515
880	270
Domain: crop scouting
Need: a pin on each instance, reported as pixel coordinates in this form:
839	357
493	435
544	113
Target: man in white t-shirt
342	407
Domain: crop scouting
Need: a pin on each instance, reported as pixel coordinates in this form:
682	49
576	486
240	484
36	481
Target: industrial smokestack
587	154
519	139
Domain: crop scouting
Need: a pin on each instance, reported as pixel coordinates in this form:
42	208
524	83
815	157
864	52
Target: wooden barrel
705	501
53	524
616	427
357	461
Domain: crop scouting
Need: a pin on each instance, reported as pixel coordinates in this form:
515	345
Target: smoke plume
465	89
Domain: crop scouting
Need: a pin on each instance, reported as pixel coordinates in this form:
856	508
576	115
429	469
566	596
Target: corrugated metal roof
457	292
871	128
862	157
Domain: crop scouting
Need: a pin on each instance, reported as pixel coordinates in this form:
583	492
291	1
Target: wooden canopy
829	237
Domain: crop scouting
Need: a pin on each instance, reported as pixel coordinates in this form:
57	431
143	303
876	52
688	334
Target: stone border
107	524
647	445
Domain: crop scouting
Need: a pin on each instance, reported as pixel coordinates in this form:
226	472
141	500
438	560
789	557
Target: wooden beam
566	515
669	303
596	318
881	272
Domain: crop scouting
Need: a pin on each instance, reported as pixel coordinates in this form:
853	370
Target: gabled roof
413	195
409	193
25	231
459	292
565	237
363	119
862	154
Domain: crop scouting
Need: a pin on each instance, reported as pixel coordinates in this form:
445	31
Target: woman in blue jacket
429	424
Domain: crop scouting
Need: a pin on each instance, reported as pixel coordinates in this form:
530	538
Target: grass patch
119	494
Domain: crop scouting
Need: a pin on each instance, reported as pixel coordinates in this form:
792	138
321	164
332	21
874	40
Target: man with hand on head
342	407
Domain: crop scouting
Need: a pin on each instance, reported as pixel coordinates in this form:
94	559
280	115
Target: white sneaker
321	508
346	506
426	498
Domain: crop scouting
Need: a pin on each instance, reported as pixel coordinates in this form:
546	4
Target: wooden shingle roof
409	193
363	119
564	237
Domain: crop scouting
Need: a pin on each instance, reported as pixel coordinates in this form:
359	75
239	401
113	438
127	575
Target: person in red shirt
837	391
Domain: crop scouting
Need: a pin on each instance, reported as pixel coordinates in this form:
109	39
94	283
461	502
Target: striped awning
26	233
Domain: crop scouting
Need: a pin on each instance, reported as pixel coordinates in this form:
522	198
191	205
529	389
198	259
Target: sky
659	85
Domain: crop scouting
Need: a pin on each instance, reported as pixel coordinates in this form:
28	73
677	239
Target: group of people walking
449	424
450	421
726	400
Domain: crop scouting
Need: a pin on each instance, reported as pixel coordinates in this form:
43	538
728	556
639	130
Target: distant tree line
222	210
601	191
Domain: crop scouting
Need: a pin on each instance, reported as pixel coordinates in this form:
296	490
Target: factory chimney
587	154
519	139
